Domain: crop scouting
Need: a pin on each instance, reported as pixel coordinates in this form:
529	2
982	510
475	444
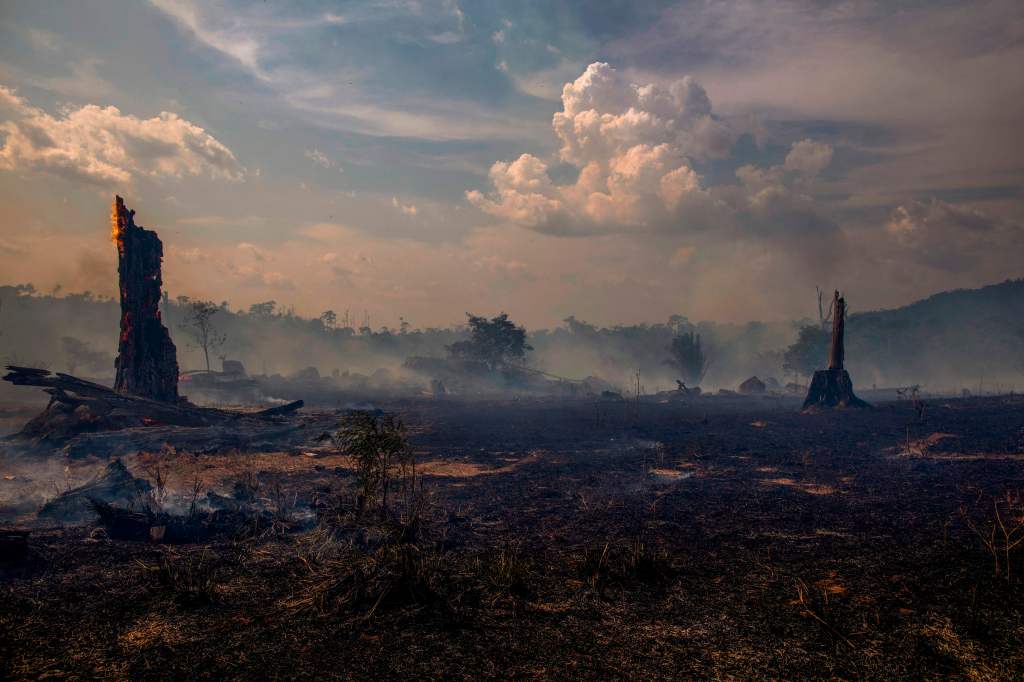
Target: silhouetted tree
199	326
264	309
496	341
689	358
328	319
809	352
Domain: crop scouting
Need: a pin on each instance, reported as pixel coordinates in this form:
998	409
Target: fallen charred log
248	436
201	526
78	406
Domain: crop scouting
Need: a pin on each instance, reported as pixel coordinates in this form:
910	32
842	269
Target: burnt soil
568	540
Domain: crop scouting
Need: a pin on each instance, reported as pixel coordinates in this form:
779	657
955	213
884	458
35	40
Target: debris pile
752	386
114	485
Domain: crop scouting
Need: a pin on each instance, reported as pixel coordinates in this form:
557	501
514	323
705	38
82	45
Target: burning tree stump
147	362
832	387
145	392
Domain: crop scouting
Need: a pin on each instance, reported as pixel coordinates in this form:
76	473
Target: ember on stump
146	389
832	387
147	363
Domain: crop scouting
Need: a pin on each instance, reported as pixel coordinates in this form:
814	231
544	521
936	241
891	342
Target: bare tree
824	319
199	326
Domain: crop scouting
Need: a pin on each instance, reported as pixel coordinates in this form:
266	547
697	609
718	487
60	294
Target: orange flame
118	222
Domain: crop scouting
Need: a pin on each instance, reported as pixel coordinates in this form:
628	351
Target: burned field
541	538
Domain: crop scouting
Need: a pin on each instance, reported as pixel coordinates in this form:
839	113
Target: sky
616	161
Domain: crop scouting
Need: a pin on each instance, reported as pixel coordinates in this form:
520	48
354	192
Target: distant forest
964	338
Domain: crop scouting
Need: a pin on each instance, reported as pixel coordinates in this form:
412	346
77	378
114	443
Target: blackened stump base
831	388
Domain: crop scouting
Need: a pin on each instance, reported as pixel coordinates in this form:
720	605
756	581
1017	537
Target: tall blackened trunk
837	350
147	362
832	387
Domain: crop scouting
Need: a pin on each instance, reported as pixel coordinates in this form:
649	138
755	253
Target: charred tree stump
145	392
832	387
147	362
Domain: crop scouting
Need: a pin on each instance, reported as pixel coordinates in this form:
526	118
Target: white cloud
952	238
407	209
544	83
319	158
261	41
253	250
632	144
809	157
102	145
930	92
235	42
603	113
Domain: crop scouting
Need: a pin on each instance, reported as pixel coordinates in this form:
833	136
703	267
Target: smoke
957	339
27	483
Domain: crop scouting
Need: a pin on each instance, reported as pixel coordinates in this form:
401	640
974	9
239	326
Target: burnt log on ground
147	361
832	387
78	406
146	525
254	437
114	484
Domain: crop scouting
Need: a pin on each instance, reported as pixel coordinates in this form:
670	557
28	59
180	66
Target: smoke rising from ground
957	339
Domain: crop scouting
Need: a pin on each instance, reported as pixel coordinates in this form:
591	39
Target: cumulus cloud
951	238
809	157
603	113
633	146
103	145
